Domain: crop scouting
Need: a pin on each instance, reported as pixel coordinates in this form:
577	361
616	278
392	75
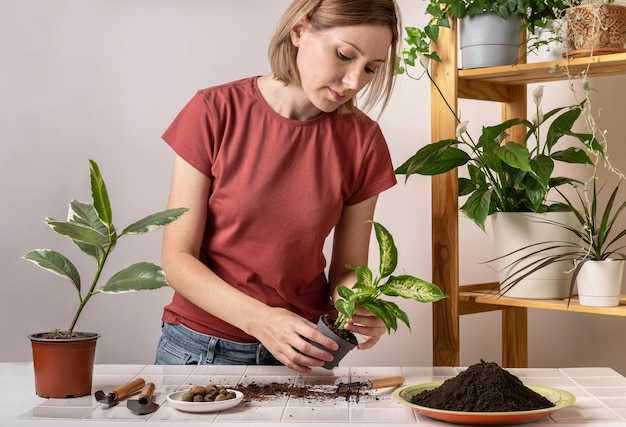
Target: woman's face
336	63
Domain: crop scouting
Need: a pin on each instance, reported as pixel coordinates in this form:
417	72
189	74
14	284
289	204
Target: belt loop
261	354
210	353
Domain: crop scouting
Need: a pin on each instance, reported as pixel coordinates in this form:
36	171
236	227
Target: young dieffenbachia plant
90	226
367	290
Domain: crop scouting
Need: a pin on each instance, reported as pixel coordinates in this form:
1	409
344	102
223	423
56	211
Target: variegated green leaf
396	312
78	232
344	292
154	221
412	288
137	277
380	310
387	249
85	214
342	307
56	263
100	195
363	277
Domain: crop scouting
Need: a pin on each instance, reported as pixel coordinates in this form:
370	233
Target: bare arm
351	246
280	330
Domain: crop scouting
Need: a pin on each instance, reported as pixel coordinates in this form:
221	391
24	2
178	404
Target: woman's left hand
367	325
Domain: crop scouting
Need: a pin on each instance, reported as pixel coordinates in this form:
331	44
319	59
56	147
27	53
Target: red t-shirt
279	187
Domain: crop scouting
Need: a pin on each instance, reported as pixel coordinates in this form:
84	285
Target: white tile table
600	397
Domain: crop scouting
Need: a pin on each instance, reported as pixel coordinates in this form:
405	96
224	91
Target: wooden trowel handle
145	396
386	382
129	388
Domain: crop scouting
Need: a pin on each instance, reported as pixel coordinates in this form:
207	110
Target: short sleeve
192	134
376	172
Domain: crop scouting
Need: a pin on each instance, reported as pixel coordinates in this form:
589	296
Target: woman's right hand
283	333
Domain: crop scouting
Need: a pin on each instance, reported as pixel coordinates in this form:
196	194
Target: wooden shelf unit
506	85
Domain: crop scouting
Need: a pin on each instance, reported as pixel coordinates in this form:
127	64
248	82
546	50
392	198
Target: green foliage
534	14
505	175
90	227
368	289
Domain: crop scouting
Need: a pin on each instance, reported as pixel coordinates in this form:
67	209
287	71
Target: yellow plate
560	398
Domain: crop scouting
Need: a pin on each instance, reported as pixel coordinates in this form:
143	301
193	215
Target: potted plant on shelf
63	359
508	178
367	292
594	27
596	250
514	18
503	175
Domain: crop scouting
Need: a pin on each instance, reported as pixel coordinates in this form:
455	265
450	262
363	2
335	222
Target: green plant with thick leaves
90	227
505	175
367	290
595	238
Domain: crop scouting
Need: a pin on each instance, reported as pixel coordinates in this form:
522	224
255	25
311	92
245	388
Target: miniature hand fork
356	386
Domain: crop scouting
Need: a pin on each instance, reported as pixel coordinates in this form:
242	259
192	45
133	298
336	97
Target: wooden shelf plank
493	297
521	74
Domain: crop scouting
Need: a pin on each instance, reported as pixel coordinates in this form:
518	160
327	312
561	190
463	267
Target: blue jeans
180	345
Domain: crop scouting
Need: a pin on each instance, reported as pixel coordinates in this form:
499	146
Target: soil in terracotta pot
342	333
483	387
59	334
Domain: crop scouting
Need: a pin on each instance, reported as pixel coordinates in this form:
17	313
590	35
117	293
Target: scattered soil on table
341	333
483	387
260	392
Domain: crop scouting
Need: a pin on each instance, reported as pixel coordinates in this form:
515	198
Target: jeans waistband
218	350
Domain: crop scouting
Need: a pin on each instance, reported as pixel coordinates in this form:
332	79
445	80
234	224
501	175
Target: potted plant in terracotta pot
367	292
509	18
596	251
63	359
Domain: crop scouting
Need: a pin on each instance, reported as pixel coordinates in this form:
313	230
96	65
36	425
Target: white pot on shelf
600	283
550	42
516	230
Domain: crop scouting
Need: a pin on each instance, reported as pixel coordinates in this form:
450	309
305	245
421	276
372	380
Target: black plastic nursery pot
63	367
344	346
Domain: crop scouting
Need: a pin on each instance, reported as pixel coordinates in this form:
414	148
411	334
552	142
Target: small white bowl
175	400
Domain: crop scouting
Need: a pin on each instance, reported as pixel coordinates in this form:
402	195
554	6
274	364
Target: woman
268	166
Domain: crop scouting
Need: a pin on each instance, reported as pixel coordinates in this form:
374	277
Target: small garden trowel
120	393
144	405
356	387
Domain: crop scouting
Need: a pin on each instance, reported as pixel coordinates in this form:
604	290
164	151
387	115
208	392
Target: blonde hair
324	14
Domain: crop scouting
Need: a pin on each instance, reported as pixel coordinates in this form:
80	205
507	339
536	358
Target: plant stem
471	144
83	303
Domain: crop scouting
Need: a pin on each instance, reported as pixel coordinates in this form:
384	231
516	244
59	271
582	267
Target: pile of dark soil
258	392
483	387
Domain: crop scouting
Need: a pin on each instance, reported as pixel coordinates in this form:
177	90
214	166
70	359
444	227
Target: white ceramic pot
600	283
551	42
516	230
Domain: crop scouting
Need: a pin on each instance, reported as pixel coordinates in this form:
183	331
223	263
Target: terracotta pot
63	367
344	346
596	28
